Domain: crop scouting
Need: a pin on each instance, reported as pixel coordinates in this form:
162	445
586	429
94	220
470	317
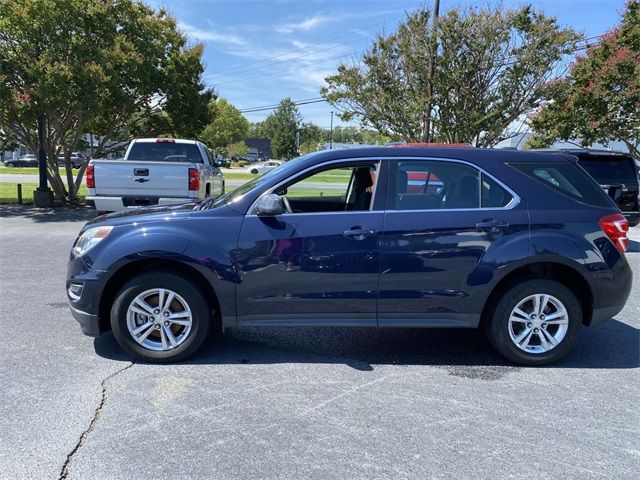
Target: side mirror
269	206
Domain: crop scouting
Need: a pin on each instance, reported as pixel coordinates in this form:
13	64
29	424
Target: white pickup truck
154	171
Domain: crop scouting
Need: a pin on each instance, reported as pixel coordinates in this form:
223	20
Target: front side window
336	189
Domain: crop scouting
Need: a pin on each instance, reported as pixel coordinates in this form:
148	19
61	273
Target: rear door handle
359	233
491	225
141	172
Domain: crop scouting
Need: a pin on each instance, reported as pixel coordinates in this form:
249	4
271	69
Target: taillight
91	179
194	179
616	227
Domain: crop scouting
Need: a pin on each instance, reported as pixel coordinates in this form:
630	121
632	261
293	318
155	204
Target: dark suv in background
617	174
525	245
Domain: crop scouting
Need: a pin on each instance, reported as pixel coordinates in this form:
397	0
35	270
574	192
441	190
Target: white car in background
263	167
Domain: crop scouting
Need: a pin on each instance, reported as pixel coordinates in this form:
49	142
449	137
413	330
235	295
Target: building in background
259	148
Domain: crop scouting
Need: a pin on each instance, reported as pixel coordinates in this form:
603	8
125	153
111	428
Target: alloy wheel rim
159	319
538	323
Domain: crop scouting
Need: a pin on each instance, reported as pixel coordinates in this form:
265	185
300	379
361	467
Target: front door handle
491	224
359	233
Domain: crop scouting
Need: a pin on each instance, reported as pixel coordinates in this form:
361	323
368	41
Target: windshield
610	170
247	187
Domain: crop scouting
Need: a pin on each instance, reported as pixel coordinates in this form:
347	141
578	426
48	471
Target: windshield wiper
204	203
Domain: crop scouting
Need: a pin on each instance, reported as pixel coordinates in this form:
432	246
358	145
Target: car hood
143	215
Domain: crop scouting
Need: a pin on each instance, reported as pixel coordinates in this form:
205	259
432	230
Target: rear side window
165	152
568	179
436	185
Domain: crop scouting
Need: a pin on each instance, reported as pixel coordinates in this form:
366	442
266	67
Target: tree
112	68
228	126
281	128
311	136
238	149
599	100
490	66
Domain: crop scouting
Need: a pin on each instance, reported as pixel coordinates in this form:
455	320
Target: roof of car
470	154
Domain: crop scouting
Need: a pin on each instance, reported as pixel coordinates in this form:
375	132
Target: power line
306	47
252	68
273	107
287	69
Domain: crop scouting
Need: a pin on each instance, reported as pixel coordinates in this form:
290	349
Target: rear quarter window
568	179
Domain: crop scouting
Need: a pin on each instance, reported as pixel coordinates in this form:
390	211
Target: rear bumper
611	290
116	204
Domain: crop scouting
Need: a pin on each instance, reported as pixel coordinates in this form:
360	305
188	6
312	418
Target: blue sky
260	51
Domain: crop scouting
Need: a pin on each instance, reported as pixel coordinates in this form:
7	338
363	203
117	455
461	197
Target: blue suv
525	245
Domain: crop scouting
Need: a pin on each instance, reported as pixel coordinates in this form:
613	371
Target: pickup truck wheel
535	322
254	171
160	317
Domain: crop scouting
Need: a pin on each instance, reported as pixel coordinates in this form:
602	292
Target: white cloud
210	35
304	25
319	19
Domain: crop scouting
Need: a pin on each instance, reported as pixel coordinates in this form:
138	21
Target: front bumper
89	323
84	288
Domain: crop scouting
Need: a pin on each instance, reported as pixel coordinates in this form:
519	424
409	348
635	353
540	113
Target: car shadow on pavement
634	247
611	344
46	215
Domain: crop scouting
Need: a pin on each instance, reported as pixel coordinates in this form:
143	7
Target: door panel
437	264
301	269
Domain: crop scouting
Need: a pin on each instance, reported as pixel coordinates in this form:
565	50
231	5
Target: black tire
254	171
496	321
9	164
187	289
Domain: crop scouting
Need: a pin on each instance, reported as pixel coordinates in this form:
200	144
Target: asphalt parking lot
298	403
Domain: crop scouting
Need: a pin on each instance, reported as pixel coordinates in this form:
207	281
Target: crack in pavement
64	472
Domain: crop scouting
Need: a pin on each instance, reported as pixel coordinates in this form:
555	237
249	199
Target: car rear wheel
534	322
160	317
9	164
254	171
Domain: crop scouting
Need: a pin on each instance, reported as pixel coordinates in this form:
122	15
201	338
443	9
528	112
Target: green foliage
490	66
115	69
237	149
599	99
281	127
227	127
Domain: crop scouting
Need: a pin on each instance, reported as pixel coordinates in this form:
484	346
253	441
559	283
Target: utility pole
331	135
426	120
42	196
298	142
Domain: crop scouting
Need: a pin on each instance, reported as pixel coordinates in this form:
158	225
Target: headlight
89	239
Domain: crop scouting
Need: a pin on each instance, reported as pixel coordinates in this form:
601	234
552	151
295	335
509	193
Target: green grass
9	193
25	170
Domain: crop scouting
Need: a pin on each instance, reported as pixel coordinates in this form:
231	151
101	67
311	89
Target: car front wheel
534	322
9	164
160	317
